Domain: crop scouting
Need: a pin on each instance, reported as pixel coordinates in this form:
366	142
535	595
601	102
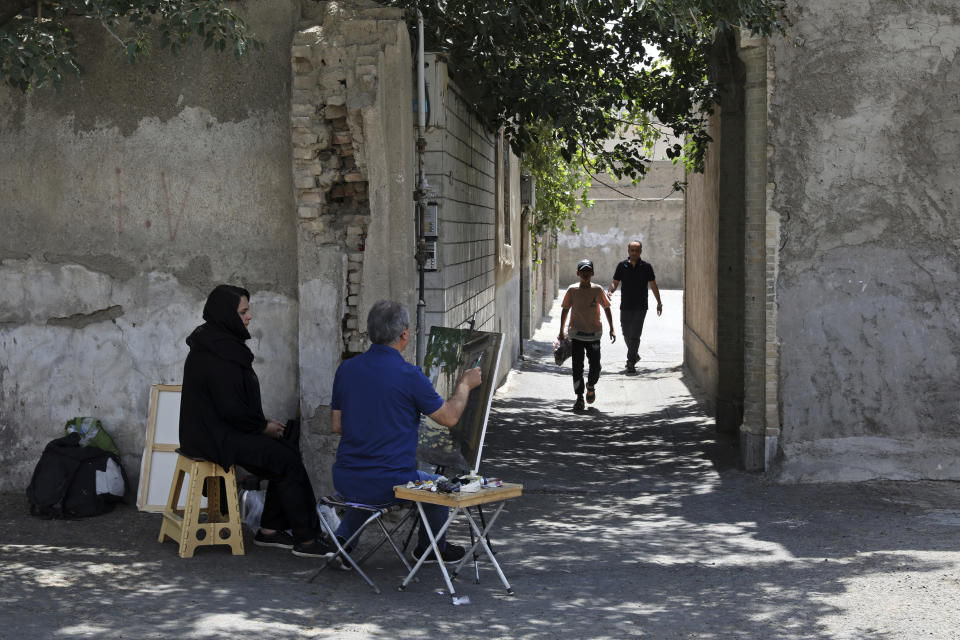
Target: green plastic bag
92	434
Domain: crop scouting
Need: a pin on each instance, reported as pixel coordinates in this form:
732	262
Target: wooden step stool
184	525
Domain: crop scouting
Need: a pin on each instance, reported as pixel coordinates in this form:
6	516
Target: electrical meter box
430	255
430	220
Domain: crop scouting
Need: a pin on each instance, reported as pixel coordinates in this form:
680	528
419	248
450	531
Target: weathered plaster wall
538	288
701	233
354	177
548	274
510	260
865	145
508	322
647	211
126	198
538	281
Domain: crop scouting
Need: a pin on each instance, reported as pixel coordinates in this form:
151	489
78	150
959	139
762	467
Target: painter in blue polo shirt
378	398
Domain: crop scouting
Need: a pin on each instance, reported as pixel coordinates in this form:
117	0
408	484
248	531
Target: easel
440	465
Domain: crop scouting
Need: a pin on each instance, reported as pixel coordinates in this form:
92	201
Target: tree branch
112	34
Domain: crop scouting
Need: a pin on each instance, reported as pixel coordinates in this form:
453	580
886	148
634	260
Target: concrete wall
511	262
538	280
864	150
352	133
714	303
701	235
126	198
460	168
647	211
130	195
477	275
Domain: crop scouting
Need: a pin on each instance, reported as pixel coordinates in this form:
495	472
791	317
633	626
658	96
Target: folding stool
377	512
184	526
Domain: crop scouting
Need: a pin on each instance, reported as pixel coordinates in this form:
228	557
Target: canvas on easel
449	353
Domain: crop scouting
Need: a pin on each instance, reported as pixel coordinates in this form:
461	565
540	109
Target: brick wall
460	166
761	423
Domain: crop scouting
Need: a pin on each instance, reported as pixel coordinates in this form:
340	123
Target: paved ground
635	523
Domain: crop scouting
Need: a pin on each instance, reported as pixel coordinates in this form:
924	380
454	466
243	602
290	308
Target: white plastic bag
329	515
251	507
110	480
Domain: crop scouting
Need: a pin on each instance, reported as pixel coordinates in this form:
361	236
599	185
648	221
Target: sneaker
318	548
591	394
278	539
578	405
452	553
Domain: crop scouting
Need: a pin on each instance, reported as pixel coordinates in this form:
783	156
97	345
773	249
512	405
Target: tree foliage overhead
37	45
588	68
586	87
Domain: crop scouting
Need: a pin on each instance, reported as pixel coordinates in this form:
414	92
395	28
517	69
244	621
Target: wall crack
81	320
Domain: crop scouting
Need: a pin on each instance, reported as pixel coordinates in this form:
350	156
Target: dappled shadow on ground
550	447
633	523
107	577
589	566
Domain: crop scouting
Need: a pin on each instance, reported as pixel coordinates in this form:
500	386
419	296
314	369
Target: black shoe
452	553
631	368
578	405
318	548
278	539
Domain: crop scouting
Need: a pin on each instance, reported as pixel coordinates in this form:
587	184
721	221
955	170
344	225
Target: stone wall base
752	451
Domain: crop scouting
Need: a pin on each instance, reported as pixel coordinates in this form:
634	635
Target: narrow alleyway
645	431
635	522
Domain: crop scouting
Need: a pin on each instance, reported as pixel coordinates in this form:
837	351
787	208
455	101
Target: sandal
591	394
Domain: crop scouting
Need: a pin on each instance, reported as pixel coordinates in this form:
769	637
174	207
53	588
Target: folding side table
459	503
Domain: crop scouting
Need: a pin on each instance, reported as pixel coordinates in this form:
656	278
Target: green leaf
31	51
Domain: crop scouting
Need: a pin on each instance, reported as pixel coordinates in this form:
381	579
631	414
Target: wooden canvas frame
156	471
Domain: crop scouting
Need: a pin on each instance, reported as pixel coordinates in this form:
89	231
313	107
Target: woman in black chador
221	419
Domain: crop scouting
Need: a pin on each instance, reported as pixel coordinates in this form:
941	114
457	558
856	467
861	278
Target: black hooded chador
221	393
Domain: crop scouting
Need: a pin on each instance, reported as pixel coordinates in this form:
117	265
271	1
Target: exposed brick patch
332	62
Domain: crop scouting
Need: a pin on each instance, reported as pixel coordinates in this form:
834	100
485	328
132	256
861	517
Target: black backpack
71	481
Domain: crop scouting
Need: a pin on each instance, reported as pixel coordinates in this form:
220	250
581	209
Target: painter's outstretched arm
452	409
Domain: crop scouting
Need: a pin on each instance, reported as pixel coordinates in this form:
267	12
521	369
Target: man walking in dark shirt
634	274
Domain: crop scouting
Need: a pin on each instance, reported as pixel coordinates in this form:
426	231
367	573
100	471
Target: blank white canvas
167	430
153	492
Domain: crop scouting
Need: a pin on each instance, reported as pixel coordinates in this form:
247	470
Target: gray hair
386	321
